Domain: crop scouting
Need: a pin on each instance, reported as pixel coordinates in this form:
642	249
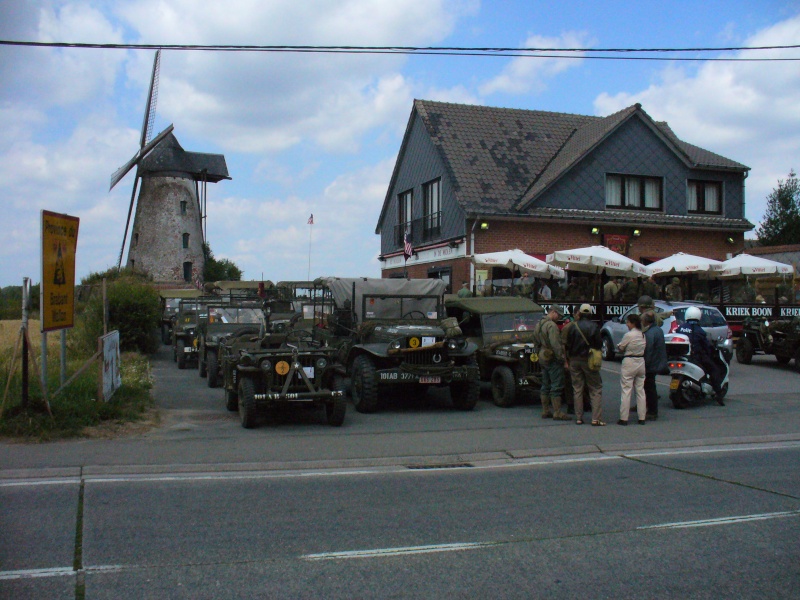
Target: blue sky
319	133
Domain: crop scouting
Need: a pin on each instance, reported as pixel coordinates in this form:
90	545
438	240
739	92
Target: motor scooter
690	384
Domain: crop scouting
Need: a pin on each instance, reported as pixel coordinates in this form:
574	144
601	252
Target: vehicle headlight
521	355
395	345
452	344
265	365
321	363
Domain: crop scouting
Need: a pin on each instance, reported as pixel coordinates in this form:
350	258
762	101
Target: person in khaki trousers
632	347
582	335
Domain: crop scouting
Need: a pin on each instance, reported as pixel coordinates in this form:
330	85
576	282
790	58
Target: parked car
502	327
712	321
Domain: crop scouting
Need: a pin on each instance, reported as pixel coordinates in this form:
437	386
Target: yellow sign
282	368
59	243
413	342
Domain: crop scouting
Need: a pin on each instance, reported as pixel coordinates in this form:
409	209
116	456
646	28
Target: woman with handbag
583	341
632	347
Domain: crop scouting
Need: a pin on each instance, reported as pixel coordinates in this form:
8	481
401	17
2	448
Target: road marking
56	572
724	520
31	482
401	551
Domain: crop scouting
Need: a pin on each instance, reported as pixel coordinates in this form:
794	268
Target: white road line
724	520
382	552
33	573
33	482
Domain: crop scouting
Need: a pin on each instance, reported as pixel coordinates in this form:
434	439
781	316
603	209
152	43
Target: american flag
311	219
408	251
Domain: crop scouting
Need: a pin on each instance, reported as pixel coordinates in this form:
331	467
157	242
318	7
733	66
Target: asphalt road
418	500
701	524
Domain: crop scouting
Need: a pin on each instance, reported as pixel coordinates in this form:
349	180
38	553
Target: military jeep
224	320
393	334
278	370
780	337
502	328
170	302
184	330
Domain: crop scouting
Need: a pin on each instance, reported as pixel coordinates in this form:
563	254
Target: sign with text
617	243
59	243
109	367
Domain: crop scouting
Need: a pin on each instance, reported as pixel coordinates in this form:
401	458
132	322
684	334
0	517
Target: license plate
430	379
673	385
188	350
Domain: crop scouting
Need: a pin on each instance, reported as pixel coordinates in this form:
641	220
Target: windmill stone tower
168	233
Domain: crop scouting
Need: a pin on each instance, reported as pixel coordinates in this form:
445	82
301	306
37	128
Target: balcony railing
420	231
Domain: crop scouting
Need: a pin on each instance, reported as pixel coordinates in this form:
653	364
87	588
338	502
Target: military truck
393	334
278	370
780	337
170	301
225	319
502	328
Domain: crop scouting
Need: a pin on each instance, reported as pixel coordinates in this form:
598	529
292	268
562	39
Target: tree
219	270
781	223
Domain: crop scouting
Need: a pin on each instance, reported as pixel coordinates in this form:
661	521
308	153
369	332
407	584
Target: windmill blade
152	100
144	151
127	223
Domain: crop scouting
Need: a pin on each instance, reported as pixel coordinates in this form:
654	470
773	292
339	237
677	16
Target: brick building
474	179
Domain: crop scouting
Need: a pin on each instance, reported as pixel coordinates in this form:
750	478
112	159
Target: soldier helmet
558	309
645	302
676	280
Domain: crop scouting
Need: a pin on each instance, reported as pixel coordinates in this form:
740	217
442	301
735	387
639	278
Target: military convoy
502	328
780	337
243	317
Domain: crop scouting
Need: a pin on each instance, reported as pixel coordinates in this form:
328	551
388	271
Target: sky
319	133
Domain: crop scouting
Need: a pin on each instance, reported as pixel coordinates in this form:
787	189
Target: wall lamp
595	231
484	226
637	232
730	240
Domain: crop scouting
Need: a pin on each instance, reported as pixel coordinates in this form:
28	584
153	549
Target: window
403	215
135	240
183	207
187	271
432	216
704	197
633	192
185	240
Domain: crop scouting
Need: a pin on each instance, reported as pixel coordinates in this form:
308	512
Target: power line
562	53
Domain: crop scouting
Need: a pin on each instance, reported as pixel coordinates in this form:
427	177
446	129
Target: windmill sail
140	154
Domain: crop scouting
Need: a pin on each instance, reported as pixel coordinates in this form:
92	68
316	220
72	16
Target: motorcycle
690	383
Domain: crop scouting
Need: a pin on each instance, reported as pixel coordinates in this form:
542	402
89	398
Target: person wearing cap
674	291
552	360
582	335
650	287
646	304
464	291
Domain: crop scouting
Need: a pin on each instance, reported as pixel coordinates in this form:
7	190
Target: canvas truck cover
342	289
495	305
180	293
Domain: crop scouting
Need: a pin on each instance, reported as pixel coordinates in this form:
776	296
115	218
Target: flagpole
310	229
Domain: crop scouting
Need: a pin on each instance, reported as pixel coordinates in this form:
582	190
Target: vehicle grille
427	358
297	383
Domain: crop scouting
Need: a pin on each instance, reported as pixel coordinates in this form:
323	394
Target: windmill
167	236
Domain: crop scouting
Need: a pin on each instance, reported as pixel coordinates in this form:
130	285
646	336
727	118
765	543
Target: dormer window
704	197
633	192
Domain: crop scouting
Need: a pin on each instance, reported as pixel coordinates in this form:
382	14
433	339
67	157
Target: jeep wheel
212	369
201	365
783	358
231	400
365	390
744	350
503	386
247	403
337	407
464	394
608	348
181	354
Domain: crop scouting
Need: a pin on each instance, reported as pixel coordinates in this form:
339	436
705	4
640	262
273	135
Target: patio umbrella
512	258
681	263
747	264
598	259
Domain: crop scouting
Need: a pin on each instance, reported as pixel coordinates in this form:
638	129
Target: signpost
109	380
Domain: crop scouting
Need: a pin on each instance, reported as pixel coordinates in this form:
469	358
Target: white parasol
512	258
686	263
598	259
747	264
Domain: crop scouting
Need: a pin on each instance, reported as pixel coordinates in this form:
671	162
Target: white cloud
744	111
526	74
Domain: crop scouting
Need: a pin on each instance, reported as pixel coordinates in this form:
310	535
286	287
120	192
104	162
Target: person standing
582	335
464	292
611	290
552	360
674	291
650	287
544	292
632	347
655	361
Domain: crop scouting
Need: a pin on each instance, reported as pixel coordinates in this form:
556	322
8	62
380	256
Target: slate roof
169	156
501	159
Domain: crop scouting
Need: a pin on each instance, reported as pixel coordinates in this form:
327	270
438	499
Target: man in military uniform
674	290
552	360
651	288
611	290
646	304
628	291
464	292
